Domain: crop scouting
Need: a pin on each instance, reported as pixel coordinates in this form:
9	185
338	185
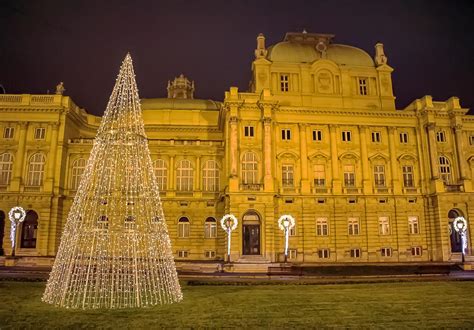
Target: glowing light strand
460	225
16	215
115	251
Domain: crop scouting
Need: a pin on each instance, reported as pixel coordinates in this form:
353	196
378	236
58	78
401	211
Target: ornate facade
317	136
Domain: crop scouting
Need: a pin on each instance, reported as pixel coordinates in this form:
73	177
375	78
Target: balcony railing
251	186
453	187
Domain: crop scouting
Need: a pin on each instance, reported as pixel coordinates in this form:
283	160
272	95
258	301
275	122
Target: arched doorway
251	233
2	232
28	230
455	237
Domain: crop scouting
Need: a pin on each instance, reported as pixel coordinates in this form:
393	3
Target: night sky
430	44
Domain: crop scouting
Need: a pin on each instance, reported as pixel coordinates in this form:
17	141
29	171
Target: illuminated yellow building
317	136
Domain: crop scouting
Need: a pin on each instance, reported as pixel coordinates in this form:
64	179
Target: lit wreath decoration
460	224
224	221
288	217
17	209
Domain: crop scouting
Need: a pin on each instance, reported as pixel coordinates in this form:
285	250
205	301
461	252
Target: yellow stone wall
322	95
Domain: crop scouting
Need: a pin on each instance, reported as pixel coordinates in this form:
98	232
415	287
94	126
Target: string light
115	251
460	225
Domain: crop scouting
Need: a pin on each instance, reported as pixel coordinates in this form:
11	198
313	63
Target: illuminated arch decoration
229	223
16	215
285	223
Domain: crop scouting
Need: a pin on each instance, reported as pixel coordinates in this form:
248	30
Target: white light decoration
285	223
460	225
16	215
229	223
115	251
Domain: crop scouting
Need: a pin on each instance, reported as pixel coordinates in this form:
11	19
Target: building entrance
251	234
455	237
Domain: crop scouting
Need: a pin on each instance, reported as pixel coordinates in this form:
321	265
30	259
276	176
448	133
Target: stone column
305	186
49	182
396	186
267	154
233	146
364	160
433	151
171	179
197	178
19	158
336	180
463	173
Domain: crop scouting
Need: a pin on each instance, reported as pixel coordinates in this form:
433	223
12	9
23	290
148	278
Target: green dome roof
292	52
179	104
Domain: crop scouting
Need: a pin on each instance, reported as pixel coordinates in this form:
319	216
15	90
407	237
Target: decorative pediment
379	156
318	154
349	155
288	154
407	156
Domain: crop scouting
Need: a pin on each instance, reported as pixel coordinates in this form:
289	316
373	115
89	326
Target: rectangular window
322	227
416	251
471	140
249	131
40	133
183	229
379	175
363	87
319	172
323	254
407	172
441	136
384	226
376	137
353	226
182	254
346	136
413	225
386	252
210	229
8	132
349	176
287	175
284	82
355	253
210	254
292	253
286	134
404	137
317	135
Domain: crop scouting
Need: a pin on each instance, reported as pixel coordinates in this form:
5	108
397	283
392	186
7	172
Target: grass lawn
382	305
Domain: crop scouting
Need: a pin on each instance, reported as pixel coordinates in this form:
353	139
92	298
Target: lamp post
286	222
229	223
16	215
460	225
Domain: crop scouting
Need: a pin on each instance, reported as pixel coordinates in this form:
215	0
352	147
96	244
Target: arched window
445	169
249	168
36	169
210	228
28	230
210	176
78	168
6	166
183	227
184	176
161	173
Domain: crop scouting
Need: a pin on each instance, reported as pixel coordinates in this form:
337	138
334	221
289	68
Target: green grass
381	305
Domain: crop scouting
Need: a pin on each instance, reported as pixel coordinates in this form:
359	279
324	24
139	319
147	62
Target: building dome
293	52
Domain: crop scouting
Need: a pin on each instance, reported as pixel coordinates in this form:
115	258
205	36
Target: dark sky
430	44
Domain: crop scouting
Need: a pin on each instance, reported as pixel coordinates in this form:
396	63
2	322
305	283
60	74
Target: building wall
323	96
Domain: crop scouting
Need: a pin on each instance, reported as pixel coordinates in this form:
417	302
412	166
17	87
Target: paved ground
41	274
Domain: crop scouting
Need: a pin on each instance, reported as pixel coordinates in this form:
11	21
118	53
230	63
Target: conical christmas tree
115	251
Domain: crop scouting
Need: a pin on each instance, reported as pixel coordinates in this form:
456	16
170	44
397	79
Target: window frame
184	176
77	171
363	86
287	175
404	137
35	170
353	226
408	176
249	168
6	168
210	228
184	227
413	225
40	133
249	131
160	167
322	226
384	225
284	82
379	175
9	132
346	136
376	137
317	135
210	176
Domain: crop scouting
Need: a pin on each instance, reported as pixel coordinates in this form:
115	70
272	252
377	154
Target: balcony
351	190
452	187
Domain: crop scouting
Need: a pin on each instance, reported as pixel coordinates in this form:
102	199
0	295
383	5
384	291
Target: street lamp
229	223
286	222
460	225
16	215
